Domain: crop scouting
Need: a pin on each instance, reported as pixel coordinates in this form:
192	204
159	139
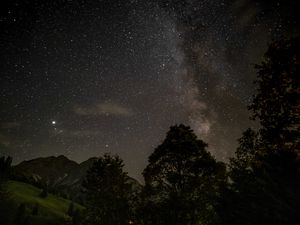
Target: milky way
81	78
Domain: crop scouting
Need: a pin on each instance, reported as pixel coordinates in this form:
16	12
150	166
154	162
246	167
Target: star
114	77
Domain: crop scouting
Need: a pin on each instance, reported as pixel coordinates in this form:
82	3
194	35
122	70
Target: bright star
53	122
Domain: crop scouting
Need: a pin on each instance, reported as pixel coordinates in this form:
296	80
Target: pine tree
77	217
20	215
71	209
35	210
44	193
5	203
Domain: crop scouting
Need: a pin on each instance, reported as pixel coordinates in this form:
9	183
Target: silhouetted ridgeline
60	174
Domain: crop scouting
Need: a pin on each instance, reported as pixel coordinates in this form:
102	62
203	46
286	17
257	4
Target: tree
277	102
182	181
5	166
77	217
44	193
35	210
20	215
71	209
75	214
264	187
241	165
5	203
107	192
265	172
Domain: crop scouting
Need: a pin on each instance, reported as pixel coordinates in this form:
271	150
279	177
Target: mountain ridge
58	174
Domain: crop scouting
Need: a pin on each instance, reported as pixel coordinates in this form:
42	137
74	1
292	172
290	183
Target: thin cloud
9	125
103	109
79	133
4	140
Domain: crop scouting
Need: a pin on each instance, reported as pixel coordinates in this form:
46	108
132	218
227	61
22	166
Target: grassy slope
51	206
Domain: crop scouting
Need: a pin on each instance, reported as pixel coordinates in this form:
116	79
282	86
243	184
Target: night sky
83	77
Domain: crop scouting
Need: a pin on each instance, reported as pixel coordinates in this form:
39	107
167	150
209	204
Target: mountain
60	174
54	170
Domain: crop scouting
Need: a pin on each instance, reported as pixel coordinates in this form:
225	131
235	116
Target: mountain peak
62	157
60	173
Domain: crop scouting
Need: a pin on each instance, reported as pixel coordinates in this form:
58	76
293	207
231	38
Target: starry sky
85	77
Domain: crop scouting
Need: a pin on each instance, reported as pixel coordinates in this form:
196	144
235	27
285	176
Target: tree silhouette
44	193
5	166
182	180
70	211
35	210
265	175
277	102
107	191
5	204
20	215
77	217
241	165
